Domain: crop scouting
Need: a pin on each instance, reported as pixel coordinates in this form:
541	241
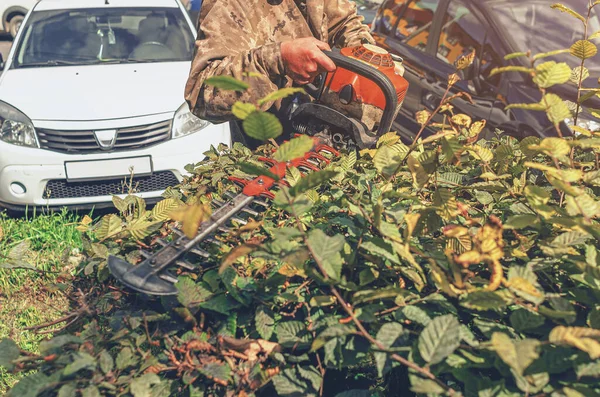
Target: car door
405	28
456	29
462	30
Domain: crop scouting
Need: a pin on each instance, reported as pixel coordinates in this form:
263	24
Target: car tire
14	24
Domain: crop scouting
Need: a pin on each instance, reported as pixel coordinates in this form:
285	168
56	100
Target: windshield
533	25
93	36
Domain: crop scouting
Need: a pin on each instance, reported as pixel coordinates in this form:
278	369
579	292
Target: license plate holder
89	170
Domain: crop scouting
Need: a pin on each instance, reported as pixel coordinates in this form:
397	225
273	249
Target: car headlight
15	127
582	122
185	123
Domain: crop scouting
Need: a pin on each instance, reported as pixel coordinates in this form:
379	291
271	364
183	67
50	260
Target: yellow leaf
453	79
242	110
462	120
555	147
465	61
583	49
469	258
419	175
191	216
481	153
476	128
563	8
551	73
388	139
422	116
234	254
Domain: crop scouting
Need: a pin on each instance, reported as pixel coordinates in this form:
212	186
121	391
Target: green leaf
30	386
326	251
68	390
142	386
311	181
439	339
522	221
483	300
506	69
253	169
90	391
370	295
264	322
190	293
516	354
81	361
295	148
57	343
290	333
549	54
387	159
242	110
387	336
298	381
523	320
425	386
125	358
416	314
280	94
106	362
9	351
593	319
563	8
551	73
583	49
227	83
514	55
262	126
526	106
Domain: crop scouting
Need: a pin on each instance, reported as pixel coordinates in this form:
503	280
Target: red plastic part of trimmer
261	185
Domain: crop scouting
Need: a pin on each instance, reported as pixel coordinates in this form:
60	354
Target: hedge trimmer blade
152	275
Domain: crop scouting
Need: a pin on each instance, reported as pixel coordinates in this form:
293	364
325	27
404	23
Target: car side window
462	32
415	23
388	15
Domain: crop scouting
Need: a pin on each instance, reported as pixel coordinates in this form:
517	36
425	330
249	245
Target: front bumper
32	169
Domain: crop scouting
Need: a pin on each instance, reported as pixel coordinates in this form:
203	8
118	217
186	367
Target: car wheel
14	24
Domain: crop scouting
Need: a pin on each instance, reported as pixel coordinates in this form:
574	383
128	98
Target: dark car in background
430	35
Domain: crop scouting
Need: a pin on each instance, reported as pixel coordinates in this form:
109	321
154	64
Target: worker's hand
304	59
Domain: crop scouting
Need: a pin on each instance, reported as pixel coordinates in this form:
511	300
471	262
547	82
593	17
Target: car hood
95	92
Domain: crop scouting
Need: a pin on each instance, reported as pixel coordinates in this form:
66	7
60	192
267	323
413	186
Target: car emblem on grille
106	138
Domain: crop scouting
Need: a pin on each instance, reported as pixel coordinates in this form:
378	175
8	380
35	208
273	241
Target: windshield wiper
56	62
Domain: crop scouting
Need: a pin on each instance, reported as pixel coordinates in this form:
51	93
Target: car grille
69	141
60	188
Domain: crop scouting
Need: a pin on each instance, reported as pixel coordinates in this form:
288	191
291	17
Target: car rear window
92	36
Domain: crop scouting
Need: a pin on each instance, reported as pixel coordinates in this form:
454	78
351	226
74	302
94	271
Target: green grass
25	299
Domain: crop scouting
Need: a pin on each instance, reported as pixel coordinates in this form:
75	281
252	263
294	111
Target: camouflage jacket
238	36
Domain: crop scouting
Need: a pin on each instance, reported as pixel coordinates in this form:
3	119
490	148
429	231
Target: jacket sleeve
225	47
346	27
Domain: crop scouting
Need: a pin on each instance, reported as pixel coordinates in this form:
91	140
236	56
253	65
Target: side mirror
1	63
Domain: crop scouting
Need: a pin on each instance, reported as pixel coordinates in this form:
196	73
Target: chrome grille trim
84	141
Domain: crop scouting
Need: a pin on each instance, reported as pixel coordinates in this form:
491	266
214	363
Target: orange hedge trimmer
366	83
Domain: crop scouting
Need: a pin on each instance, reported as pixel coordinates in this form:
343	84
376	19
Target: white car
92	90
12	13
